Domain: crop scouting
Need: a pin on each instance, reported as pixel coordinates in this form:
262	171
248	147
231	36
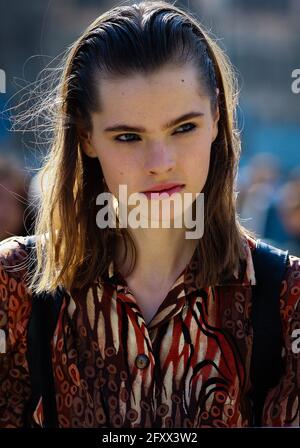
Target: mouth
168	190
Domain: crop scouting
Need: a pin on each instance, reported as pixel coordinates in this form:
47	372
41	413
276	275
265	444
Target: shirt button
142	361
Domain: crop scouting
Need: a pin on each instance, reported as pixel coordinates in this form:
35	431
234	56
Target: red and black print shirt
188	367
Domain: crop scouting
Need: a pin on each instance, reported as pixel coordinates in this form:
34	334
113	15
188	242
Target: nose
160	160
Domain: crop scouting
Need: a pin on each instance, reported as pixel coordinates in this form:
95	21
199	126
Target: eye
184	126
118	138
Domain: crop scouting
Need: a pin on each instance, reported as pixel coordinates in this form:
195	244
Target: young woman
153	328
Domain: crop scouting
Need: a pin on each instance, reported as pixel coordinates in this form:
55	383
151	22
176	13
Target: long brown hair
125	40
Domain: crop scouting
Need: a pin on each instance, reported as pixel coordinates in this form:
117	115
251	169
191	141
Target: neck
162	254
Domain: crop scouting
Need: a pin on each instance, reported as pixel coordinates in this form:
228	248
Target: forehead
167	87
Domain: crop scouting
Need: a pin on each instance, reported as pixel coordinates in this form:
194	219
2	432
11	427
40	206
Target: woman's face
152	152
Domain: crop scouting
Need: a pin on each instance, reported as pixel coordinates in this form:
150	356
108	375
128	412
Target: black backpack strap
41	326
267	364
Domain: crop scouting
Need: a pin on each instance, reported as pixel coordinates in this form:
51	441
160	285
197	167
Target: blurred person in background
281	209
289	215
257	185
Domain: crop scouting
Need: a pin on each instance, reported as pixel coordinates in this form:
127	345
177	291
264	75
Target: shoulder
14	296
290	281
13	250
15	310
292	275
281	407
290	292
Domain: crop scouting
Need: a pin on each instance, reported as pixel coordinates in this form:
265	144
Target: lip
169	188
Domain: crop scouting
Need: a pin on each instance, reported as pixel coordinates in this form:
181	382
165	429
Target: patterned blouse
188	367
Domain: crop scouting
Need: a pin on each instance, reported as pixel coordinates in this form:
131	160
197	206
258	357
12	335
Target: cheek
197	165
116	168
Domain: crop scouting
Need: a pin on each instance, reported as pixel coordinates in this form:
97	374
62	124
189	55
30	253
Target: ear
86	143
215	128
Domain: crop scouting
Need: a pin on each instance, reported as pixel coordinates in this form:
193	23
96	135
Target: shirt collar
245	276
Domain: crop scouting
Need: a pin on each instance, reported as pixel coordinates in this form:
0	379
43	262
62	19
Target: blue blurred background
261	37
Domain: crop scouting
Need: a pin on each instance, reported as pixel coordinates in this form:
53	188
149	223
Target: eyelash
130	141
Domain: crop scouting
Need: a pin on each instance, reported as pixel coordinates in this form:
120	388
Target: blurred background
261	37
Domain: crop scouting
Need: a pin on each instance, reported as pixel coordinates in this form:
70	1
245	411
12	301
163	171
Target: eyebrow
125	127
